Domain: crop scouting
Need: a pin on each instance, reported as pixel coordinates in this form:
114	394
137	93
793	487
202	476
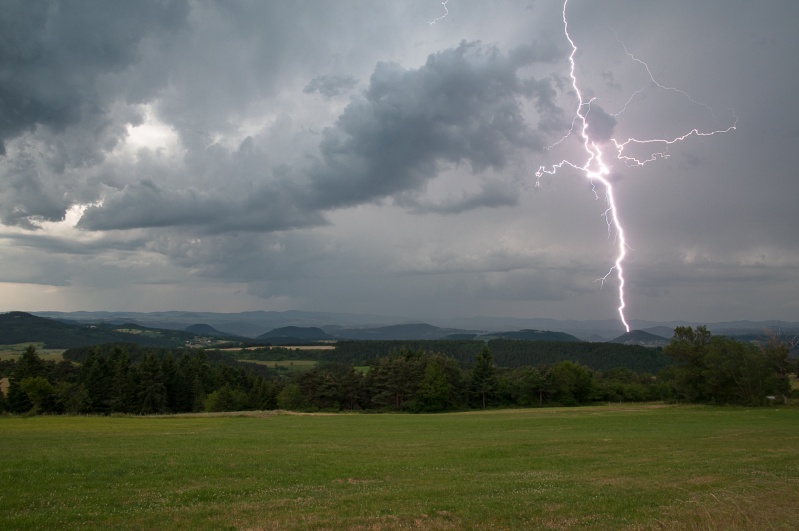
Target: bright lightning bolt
632	161
594	167
442	17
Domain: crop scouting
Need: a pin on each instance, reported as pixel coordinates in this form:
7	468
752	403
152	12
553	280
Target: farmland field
15	351
290	365
606	467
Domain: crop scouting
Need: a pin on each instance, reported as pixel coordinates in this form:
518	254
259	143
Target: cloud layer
303	155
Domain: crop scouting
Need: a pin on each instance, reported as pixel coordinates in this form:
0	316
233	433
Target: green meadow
296	365
13	352
604	467
285	365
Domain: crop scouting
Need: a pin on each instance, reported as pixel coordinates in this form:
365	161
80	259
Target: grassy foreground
609	467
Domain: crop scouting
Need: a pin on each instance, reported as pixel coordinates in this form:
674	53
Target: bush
226	399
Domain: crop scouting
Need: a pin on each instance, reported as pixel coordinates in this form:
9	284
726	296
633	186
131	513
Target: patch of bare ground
561	522
730	509
703	480
437	520
440	520
355	481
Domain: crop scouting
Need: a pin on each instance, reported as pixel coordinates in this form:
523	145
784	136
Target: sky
380	157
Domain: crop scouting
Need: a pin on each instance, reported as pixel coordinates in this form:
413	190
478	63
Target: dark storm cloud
26	195
349	155
147	205
462	105
54	59
600	123
52	53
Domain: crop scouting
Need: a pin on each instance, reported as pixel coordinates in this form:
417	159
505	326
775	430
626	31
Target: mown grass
609	467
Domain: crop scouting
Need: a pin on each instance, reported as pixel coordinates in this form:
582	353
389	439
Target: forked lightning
595	169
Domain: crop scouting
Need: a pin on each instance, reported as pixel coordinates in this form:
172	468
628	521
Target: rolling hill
22	327
416	331
535	335
287	335
206	330
639	337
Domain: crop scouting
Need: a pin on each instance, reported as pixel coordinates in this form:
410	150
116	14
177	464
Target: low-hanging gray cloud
463	105
56	64
147	205
52	54
352	157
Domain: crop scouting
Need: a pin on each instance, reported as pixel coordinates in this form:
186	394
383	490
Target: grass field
15	351
297	365
608	467
290	365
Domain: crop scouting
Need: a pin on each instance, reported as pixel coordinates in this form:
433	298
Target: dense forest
399	376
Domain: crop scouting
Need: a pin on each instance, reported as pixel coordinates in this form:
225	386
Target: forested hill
288	335
21	327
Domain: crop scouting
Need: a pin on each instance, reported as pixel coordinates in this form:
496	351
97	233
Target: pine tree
152	391
484	379
123	383
197	395
29	364
97	376
17	400
72	397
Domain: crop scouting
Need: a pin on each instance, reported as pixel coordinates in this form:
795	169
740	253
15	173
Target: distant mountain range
419	331
21	327
397	332
255	323
170	329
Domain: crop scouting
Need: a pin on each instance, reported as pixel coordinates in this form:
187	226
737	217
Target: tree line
128	379
721	370
131	379
426	381
506	353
